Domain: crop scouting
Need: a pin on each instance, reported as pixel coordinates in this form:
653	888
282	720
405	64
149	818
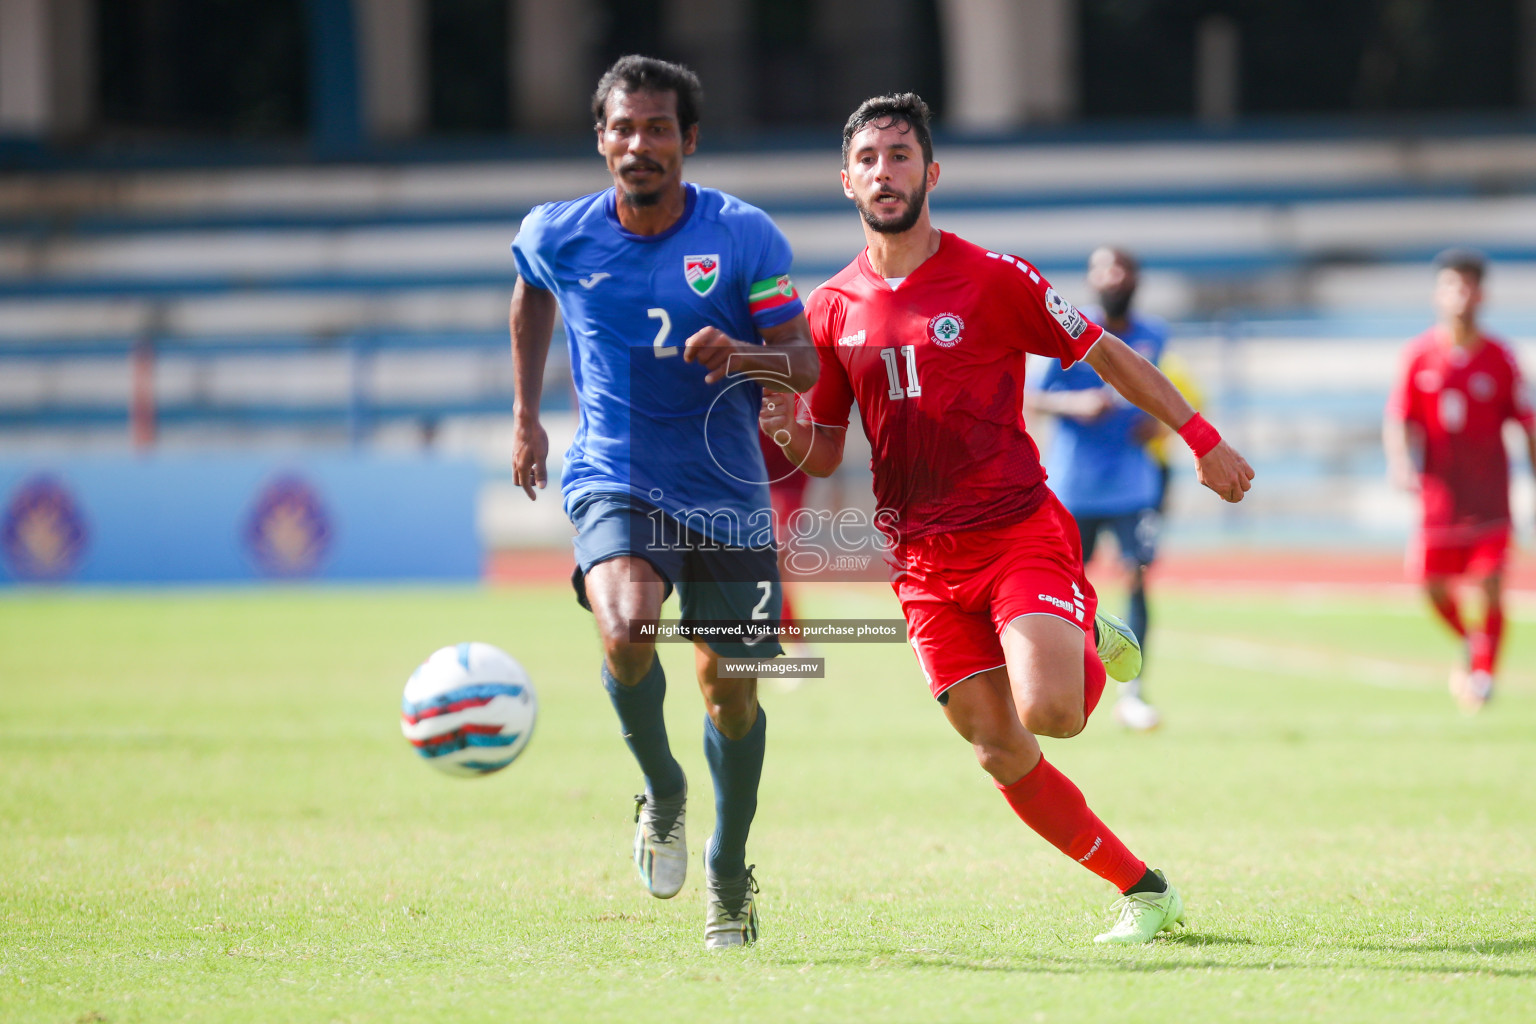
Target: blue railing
39	226
141	408
1210	265
357	407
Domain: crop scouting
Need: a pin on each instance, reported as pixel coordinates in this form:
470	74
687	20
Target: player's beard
631	197
1116	303
915	200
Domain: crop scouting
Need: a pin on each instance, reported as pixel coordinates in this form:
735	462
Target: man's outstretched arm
1084	405
532	321
1220	468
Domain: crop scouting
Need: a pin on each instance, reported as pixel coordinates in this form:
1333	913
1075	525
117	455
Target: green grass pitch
207	813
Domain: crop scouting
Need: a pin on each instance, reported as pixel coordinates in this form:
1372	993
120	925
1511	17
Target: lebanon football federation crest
702	272
945	330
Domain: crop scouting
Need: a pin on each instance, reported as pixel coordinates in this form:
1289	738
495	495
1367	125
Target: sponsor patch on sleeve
1065	313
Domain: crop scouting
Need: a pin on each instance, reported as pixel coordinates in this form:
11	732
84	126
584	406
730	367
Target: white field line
1302	662
1399	599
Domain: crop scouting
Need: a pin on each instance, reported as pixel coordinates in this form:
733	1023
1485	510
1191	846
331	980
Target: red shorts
1478	551
960	590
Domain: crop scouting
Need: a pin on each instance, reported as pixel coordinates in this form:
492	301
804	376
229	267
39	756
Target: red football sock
1093	676
1485	644
1049	803
786	610
1445	606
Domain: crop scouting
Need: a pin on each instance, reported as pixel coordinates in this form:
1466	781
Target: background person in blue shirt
1098	460
676	301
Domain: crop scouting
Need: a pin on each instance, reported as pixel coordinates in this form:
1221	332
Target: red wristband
1199	435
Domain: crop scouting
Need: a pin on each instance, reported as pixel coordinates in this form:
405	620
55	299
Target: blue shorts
714	583
1135	532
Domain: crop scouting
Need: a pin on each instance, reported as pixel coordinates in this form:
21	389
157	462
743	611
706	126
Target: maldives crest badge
42	533
701	272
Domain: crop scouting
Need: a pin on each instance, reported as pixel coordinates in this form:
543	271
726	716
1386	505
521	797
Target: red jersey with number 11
937	368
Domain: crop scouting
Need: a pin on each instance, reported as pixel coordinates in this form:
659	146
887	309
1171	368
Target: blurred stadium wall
276	230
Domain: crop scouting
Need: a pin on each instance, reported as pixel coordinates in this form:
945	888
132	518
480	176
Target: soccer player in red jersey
1455	391
929	334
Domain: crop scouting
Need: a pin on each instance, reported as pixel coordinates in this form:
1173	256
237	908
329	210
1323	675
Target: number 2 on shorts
761	611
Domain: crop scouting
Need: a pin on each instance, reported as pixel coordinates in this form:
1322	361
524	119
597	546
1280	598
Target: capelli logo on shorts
1075	608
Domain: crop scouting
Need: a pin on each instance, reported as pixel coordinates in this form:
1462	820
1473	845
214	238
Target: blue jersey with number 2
649	425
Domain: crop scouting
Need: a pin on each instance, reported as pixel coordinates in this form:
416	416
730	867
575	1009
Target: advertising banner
200	518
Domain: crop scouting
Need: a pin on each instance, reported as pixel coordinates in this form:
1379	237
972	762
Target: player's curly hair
635	73
888	111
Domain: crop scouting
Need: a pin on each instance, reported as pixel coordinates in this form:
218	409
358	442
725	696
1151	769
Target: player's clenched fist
1225	472
776	416
711	348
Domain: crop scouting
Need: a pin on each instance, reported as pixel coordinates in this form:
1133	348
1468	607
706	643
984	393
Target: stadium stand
366	304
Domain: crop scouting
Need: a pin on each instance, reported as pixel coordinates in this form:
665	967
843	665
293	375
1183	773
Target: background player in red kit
1456	390
929	334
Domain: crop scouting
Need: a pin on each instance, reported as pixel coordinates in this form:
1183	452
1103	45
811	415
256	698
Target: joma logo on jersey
945	330
1065	313
701	272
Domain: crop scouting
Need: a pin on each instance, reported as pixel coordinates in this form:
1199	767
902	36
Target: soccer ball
469	709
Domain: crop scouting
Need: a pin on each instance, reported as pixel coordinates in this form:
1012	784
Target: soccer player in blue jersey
677	301
1098	460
